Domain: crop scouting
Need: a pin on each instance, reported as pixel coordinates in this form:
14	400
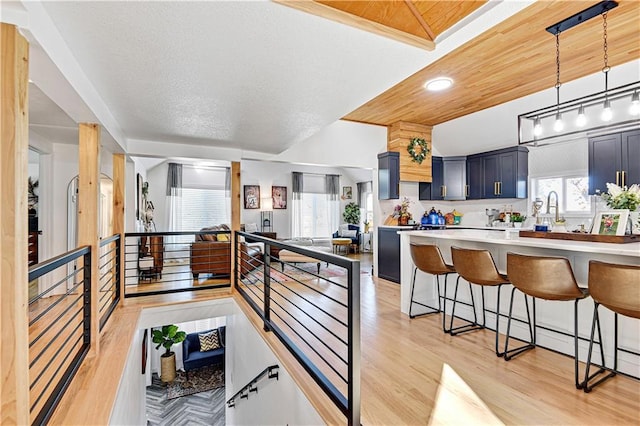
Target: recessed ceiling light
438	84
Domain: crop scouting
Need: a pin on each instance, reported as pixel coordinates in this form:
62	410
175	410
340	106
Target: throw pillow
343	228
223	237
348	234
251	227
209	341
209	237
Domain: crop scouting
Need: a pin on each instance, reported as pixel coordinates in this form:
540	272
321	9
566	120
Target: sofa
211	253
193	357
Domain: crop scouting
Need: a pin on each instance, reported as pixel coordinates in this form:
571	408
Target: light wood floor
413	374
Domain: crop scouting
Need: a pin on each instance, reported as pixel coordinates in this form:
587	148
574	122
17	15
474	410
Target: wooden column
14	144
88	196
118	209
399	136
235	213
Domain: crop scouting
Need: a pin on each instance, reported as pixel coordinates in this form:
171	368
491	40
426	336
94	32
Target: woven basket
168	368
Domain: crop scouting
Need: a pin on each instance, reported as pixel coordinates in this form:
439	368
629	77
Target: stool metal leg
511	353
412	302
596	323
472	325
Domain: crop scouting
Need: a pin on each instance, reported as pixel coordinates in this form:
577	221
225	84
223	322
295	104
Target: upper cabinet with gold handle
614	158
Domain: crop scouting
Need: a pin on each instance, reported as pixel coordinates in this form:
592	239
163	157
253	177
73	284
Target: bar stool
547	278
618	288
428	259
476	267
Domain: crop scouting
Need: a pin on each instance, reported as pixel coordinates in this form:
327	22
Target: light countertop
499	236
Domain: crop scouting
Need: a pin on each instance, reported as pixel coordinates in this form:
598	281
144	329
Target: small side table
366	242
146	268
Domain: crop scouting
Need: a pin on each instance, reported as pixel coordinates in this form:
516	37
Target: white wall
129	407
277	402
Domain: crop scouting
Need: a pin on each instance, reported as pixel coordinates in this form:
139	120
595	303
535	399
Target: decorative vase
517	224
168	367
403	220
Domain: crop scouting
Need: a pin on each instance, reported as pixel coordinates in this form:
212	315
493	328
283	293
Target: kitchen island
556	316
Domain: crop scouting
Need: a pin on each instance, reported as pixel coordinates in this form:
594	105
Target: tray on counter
573	236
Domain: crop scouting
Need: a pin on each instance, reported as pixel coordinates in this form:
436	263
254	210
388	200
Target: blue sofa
193	358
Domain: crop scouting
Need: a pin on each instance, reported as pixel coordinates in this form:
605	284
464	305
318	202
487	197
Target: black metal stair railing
172	262
109	261
59	328
251	386
316	316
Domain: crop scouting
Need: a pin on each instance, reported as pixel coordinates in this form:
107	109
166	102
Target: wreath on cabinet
418	155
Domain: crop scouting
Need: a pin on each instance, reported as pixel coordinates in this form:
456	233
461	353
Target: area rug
200	380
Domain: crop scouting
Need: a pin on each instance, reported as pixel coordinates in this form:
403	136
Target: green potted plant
517	220
167	336
351	214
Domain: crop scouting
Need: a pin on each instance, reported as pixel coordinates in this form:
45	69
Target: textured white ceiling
246	74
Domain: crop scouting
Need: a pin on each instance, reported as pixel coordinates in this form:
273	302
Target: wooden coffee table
340	242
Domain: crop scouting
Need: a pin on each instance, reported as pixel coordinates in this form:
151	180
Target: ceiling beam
420	19
345	18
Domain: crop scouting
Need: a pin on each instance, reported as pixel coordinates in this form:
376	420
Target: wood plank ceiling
511	60
424	19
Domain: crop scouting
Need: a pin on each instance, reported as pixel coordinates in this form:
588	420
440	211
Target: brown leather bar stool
617	287
428	259
547	278
475	267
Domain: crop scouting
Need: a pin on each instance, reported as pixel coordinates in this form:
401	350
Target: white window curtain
174	209
332	189
296	204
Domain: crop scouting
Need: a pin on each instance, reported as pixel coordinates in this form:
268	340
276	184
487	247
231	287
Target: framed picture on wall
279	197
610	222
251	196
347	193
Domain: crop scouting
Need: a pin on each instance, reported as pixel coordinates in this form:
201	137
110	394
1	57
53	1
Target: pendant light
634	109
607	113
618	107
582	118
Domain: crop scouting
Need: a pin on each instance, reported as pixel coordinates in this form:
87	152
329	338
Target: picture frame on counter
610	222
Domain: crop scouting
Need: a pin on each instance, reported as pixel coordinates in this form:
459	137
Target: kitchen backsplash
474	210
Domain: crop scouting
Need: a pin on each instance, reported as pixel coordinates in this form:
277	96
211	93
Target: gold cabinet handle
499	188
618	177
466	190
444	190
495	188
624	178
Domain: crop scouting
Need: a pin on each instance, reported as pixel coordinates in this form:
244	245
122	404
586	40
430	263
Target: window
317	213
573	192
315	221
204	201
202	208
368	210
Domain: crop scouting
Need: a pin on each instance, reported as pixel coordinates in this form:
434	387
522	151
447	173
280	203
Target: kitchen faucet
555	206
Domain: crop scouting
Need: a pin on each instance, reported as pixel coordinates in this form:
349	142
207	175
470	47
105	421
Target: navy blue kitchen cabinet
388	176
448	180
475	182
614	158
502	173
